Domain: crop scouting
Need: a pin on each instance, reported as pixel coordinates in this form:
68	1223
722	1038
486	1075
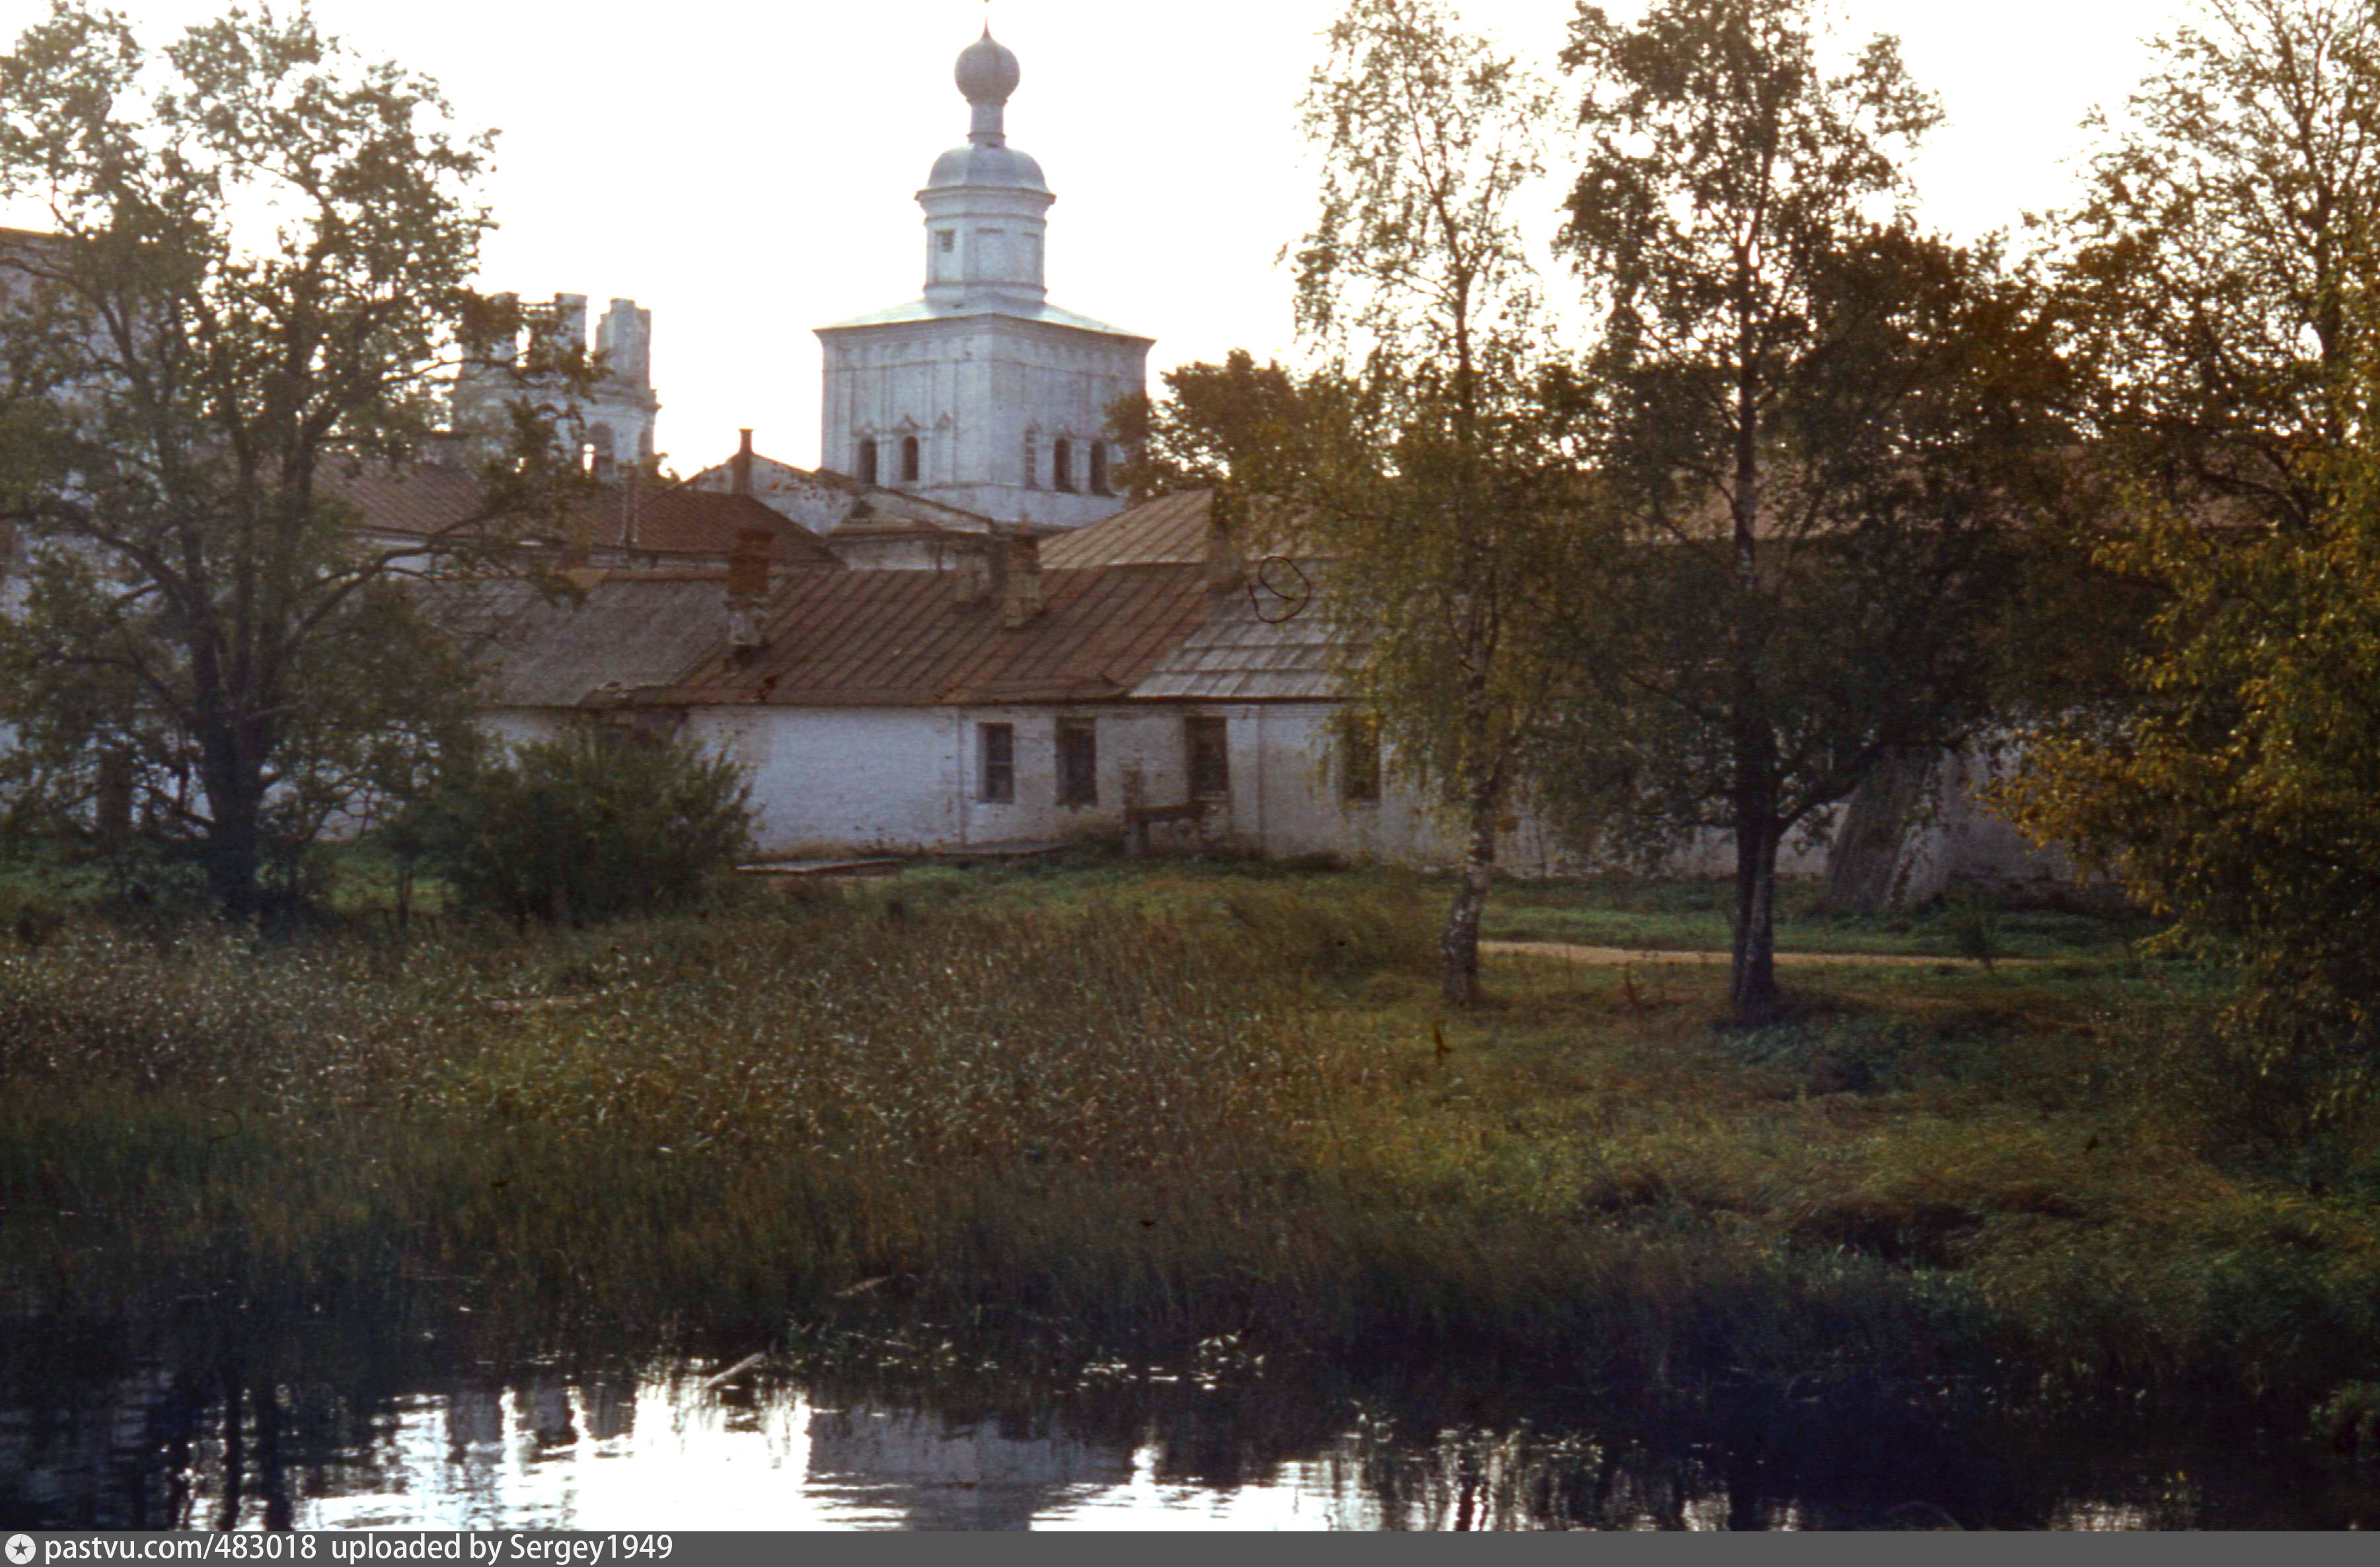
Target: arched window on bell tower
1062	465
1032	461
868	460
908	459
1099	467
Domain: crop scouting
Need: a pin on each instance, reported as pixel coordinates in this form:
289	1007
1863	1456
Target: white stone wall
852	778
901	778
861	779
1127	739
970	388
615	419
1966	841
522	726
892	551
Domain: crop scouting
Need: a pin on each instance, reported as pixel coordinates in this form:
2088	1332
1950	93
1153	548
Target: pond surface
685	1445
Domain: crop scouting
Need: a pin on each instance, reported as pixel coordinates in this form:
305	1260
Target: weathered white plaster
912	778
850	778
982	372
613	422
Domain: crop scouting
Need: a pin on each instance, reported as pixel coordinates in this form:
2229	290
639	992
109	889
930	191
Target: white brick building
981	394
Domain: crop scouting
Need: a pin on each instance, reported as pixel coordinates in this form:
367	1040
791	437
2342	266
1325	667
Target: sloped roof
678	519
875	506
417	503
667	519
627	630
891	508
1255	645
917	310
1169	531
894	638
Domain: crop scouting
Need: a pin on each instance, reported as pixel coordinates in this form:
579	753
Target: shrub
598	824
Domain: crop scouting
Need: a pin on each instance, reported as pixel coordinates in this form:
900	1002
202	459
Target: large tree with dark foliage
2226	255
258	273
1823	423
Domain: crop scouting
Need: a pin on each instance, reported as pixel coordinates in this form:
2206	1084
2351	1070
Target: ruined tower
613	424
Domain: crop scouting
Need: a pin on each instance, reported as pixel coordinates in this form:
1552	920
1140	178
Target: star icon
20	1549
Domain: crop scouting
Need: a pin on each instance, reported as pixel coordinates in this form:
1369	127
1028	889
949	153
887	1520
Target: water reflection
140	1445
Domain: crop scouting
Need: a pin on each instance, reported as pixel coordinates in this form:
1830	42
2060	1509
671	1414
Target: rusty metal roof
892	638
417	503
625	632
680	520
1169	531
672	522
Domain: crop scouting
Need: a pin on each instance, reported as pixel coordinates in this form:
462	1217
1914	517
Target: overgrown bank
1054	1130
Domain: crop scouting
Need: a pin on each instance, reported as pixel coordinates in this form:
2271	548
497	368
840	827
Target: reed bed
1061	1130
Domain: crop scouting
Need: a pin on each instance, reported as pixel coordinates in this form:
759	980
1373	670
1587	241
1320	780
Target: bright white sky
747	171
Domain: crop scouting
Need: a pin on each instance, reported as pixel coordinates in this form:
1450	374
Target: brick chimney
1021	594
743	464
574	537
748	588
972	570
1222	560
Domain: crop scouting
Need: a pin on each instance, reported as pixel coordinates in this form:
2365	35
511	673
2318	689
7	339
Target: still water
692	1445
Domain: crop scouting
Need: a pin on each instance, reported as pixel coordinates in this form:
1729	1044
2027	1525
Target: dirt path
1614	957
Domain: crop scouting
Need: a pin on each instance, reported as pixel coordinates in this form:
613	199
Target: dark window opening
1032	463
909	459
1211	759
1078	762
1061	466
950	241
1359	761
996	743
1099	468
868	462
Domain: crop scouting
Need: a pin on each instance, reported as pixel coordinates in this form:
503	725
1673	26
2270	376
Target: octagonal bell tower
981	394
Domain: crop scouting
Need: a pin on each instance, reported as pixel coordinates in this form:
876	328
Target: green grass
1692	916
1671	914
1061	1113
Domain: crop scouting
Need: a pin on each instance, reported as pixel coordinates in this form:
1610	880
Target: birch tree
1823	425
1438	466
2227	252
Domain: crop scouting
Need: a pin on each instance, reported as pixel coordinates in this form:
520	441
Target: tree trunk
1458	944
234	781
1864	863
233	854
114	812
1751	978
1751	983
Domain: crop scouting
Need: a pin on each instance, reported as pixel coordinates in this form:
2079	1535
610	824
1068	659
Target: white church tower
983	394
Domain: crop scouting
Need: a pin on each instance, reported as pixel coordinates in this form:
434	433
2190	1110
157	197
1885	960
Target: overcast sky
749	172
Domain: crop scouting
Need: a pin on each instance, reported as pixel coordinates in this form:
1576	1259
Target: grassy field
1692	917
1057	1115
1655	916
